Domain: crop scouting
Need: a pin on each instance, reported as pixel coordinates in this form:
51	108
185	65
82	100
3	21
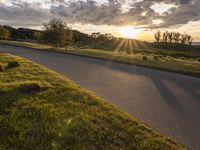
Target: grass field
163	60
41	110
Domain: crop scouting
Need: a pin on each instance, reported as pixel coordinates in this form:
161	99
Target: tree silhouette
157	36
165	36
175	37
189	39
183	38
170	37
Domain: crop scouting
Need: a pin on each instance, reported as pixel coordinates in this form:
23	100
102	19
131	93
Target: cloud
185	12
24	14
110	12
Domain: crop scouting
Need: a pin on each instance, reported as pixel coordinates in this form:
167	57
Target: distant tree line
173	37
10	33
57	33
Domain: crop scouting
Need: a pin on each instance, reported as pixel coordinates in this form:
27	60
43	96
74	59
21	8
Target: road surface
167	102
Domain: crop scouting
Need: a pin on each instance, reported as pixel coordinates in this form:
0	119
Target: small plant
30	86
13	64
145	58
198	59
155	57
1	67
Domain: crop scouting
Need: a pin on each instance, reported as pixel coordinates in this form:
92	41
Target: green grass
1	67
156	60
55	113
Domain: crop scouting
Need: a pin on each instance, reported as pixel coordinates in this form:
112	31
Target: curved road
167	102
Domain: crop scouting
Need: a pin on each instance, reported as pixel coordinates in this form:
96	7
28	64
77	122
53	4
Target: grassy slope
64	116
189	66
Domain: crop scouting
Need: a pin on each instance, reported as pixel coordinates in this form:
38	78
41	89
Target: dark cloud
110	13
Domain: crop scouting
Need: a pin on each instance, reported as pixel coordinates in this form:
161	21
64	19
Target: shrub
12	64
155	57
30	86
1	67
145	58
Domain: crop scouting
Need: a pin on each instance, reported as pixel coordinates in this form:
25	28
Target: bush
12	64
1	67
145	58
198	59
155	57
30	86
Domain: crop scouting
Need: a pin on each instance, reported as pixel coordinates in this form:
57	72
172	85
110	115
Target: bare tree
170	37
189	39
165	36
183	38
157	36
176	37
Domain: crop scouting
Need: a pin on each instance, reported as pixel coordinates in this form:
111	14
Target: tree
176	37
189	39
183	38
96	36
38	36
165	36
170	37
4	33
108	36
56	32
157	36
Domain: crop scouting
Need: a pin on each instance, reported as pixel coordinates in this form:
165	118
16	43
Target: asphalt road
167	102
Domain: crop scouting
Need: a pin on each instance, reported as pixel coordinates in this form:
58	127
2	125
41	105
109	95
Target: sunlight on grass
167	60
63	115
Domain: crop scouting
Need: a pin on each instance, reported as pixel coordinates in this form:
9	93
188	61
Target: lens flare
127	32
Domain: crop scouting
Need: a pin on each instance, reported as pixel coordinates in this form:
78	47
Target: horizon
138	19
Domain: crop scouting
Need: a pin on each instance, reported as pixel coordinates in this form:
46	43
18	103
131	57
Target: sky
138	19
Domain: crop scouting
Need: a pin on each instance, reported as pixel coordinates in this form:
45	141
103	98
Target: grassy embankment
41	110
175	61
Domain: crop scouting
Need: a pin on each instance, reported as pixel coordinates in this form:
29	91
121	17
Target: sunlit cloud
157	21
105	14
162	7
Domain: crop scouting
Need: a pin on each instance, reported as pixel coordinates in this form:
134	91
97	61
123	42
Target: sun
127	32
